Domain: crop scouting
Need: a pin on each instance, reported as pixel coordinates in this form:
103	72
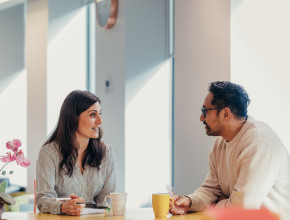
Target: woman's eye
95	114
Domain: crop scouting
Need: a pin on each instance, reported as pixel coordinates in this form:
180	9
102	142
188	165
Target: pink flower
13	145
21	160
14	155
8	158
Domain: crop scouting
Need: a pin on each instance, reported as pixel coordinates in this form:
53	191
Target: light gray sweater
252	170
93	185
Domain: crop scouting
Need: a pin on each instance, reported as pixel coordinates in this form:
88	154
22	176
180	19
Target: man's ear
227	113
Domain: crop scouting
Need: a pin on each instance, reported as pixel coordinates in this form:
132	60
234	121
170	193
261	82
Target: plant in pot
13	155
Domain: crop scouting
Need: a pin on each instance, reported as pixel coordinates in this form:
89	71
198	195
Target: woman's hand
73	196
180	206
71	208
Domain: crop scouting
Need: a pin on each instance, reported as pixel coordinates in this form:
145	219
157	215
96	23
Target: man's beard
210	132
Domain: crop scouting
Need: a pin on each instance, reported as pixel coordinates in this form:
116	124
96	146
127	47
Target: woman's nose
99	121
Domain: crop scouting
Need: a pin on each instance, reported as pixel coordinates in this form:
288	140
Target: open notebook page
89	211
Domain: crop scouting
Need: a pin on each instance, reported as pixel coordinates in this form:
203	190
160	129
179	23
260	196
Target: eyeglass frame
203	110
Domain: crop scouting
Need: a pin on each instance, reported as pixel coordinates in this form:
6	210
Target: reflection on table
131	214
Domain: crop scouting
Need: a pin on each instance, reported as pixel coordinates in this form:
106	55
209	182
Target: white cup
118	201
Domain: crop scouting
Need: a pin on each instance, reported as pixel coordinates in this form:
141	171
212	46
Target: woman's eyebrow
95	110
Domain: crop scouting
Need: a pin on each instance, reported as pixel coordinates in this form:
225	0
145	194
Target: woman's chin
95	136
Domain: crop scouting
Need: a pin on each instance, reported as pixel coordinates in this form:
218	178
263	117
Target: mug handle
171	200
108	196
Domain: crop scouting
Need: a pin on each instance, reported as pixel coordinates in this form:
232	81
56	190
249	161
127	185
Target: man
249	165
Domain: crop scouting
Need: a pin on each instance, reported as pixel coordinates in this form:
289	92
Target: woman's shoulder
108	152
108	147
50	149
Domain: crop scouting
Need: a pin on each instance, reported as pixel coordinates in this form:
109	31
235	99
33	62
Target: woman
74	162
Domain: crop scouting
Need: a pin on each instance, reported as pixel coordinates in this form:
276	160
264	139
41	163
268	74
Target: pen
62	199
65	199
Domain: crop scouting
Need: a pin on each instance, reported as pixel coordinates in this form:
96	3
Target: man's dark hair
231	95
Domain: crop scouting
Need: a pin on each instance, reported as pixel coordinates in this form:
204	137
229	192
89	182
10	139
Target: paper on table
89	211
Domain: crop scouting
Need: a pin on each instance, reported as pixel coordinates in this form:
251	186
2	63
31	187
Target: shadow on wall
60	14
12	43
236	3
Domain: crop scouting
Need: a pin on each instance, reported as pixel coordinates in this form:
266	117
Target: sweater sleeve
257	170
209	191
110	179
46	171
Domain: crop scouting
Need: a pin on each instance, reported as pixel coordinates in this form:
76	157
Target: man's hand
180	206
71	208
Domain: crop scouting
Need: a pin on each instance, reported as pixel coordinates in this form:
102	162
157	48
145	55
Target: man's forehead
208	99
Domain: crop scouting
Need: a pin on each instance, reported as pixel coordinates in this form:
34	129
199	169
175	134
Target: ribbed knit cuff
190	200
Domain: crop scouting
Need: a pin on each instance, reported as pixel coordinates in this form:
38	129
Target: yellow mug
160	204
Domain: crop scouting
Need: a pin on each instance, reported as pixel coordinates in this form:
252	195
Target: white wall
132	57
260	55
202	55
148	115
110	65
36	55
13	86
66	54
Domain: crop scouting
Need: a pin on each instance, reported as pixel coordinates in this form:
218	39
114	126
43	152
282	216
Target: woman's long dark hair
64	134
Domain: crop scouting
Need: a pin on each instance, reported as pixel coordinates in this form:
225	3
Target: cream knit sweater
252	170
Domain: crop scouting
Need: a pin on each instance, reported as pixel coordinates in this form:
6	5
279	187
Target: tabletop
130	214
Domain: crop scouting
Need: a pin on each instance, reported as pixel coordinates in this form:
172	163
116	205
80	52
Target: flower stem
3	166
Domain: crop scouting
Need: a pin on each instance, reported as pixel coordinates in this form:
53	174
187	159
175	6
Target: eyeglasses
203	110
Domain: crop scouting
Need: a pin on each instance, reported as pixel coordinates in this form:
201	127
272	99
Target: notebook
90	211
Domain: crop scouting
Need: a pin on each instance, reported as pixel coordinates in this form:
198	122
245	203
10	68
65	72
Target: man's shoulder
260	135
257	124
255	129
262	130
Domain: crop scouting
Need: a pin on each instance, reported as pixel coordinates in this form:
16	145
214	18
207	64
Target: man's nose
201	118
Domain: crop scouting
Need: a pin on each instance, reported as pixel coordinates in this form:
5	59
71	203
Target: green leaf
3	186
